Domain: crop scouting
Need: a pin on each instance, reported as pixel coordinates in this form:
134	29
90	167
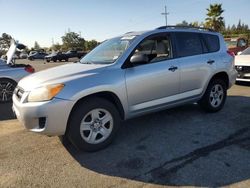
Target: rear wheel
93	124
215	96
7	88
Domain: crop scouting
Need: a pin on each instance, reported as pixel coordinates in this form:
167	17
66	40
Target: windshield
246	52
107	52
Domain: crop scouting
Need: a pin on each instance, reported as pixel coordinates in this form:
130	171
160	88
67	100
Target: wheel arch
222	76
110	96
8	78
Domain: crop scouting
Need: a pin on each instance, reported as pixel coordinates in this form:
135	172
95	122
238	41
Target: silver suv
124	77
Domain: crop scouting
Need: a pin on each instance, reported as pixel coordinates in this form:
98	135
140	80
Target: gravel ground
178	147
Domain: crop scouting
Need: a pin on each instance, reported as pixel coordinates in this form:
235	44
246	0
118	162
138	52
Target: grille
243	69
19	92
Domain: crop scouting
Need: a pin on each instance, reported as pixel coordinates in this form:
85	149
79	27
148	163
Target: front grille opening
42	122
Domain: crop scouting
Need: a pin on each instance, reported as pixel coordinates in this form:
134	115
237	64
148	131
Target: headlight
44	93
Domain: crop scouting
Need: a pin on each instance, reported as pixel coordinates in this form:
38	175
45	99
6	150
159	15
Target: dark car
37	55
56	56
74	53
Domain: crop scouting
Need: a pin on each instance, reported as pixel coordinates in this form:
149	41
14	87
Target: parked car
23	55
11	73
74	53
236	45
125	77
55	56
242	65
37	55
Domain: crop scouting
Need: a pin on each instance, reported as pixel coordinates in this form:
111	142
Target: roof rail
185	27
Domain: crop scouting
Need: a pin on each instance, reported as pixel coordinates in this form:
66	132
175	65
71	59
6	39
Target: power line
166	13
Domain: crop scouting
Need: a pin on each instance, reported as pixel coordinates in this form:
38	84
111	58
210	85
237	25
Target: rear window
212	42
188	44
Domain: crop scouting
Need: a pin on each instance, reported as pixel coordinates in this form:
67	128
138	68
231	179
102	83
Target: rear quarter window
188	44
212	42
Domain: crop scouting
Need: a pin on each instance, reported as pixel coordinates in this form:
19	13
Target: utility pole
166	13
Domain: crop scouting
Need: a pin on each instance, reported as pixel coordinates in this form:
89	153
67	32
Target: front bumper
49	117
243	73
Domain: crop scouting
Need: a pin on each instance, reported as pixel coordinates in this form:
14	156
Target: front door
155	83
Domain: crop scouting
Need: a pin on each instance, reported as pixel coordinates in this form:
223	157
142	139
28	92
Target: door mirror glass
139	59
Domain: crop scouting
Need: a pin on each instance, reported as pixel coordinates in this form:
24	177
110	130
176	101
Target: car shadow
6	112
243	83
183	146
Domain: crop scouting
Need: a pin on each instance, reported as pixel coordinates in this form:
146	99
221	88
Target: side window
242	43
211	42
157	48
188	44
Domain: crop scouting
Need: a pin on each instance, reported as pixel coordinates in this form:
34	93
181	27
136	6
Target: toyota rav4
124	77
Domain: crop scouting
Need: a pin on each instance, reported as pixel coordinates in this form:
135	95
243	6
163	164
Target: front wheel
7	88
93	124
215	96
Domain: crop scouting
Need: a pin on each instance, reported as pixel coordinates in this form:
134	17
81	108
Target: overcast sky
43	20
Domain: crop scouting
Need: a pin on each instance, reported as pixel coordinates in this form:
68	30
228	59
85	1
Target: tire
54	60
215	96
48	60
7	88
66	60
94	134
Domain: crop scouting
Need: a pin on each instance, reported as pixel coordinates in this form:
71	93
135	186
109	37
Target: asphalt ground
183	146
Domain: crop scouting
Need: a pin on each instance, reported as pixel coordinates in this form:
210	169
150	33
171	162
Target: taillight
29	69
231	53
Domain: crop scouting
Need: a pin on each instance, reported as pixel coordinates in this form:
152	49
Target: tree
72	40
56	47
183	23
89	45
214	19
36	46
5	41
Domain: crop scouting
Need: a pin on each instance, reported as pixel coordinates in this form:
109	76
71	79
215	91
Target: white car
11	73
242	65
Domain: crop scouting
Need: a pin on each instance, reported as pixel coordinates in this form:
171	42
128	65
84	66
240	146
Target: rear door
196	63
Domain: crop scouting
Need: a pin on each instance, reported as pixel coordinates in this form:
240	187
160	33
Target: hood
12	50
60	74
242	60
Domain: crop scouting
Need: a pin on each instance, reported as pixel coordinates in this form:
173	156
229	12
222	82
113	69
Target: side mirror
139	59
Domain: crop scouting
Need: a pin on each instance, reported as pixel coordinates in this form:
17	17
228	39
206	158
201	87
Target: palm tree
214	19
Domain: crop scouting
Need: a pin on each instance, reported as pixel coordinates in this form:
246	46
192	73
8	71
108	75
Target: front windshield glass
246	52
107	52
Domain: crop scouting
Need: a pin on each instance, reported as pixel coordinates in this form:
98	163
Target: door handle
210	62
173	68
